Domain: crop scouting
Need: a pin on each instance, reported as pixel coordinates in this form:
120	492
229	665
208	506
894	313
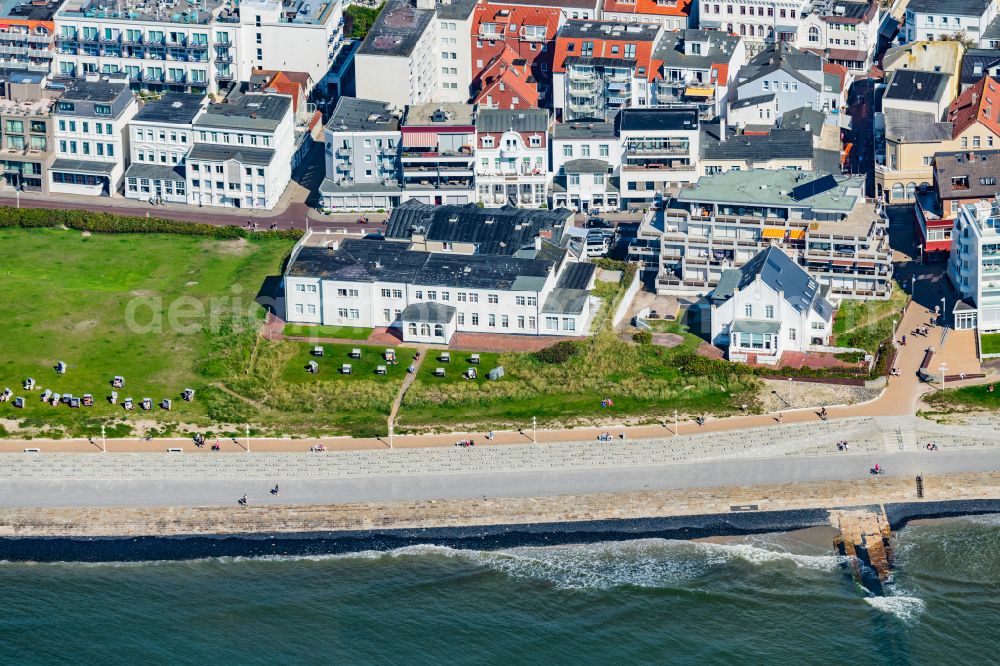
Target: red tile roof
651	7
515	76
978	104
837	70
606	48
515	16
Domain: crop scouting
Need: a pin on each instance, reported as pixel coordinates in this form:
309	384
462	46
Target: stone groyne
695	512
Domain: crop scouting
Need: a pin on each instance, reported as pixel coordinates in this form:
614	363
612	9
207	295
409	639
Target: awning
756	326
697	91
82	166
772	232
797	234
843	262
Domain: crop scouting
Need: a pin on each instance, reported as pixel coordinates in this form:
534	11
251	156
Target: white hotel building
974	266
178	46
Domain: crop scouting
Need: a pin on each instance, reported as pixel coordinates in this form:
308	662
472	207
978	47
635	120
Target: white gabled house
767	307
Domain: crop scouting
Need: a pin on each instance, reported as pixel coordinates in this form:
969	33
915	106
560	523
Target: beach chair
113	398
56	399
380	370
19	402
5	396
439	372
355	353
147	404
118	382
74	403
474	359
317	351
496	373
128	405
88	400
60	368
313	367
346	369
445	357
46	396
188	394
67	397
470	373
165	404
390	355
29	384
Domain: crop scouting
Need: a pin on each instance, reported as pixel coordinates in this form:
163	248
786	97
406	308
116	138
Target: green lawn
313	331
119	305
989	343
93	302
975	397
865	324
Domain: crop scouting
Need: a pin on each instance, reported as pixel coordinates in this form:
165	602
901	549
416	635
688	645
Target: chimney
920	85
538	242
722	130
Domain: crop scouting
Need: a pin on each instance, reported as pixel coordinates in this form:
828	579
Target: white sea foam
907	609
724	553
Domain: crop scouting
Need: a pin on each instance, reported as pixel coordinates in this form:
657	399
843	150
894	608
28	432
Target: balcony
343	152
490	35
657	150
223	57
584	77
223	76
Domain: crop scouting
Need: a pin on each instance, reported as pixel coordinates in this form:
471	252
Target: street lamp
534	427
104	441
944	310
920	253
676	423
943	368
248	438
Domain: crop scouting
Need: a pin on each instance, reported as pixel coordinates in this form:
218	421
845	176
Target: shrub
558	353
107	223
643	337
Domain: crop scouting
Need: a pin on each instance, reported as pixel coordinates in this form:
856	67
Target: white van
597	246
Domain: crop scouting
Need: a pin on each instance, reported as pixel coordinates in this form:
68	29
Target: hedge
108	223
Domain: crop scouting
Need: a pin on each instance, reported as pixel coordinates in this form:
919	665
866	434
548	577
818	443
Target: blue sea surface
767	598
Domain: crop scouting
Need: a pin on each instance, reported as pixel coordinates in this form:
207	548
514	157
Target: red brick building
518	33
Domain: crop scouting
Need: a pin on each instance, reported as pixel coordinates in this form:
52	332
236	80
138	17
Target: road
208	492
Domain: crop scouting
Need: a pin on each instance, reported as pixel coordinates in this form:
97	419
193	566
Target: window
532	301
585	150
300	287
748	310
491	320
520	322
552	323
504	321
299	308
475	319
397	293
598	179
603	150
813	35
519	300
975	141
102	109
461	319
418	294
574	179
630	50
492	298
461	297
769	312
792	334
569	324
473	298
488	142
432	295
567	149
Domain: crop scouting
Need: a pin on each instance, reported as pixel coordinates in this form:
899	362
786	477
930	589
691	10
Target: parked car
599	223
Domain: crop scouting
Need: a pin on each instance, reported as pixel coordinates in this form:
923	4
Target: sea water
769	598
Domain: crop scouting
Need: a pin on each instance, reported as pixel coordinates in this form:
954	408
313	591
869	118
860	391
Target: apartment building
660	150
26	143
417	52
571	9
960	178
844	33
942	57
438	161
242	152
974	266
784	78
160	136
362	158
730	149
936	19
511	33
823	221
91	137
184	47
586	157
512	157
698	67
671	14
603	66
758	22
27	35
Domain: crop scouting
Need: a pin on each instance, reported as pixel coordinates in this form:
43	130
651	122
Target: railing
582	76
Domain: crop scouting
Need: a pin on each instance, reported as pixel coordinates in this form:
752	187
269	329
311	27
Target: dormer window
535	141
488	142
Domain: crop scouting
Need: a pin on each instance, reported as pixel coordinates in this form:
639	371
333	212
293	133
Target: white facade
163	146
974	265
761	321
512	168
203	50
655	160
605	147
241	166
757	21
932	21
90	144
819	32
455	57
